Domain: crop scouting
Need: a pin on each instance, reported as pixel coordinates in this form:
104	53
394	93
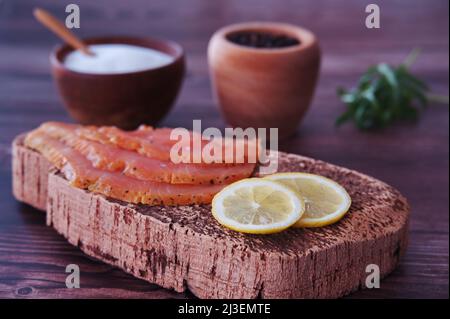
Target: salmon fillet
80	172
157	144
132	164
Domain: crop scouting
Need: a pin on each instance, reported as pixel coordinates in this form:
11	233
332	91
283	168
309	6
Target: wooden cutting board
185	248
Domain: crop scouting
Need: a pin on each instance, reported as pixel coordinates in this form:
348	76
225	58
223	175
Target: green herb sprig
385	94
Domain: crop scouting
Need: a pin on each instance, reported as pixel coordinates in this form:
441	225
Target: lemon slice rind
325	220
297	203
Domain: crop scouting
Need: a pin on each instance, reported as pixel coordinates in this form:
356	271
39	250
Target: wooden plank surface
414	158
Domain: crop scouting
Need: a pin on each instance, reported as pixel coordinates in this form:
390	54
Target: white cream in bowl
116	58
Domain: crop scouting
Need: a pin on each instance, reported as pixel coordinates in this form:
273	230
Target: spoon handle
60	30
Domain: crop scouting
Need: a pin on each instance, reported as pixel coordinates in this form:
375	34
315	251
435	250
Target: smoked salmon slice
80	172
111	158
157	144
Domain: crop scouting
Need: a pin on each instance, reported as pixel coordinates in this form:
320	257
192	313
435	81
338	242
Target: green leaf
348	98
419	96
405	75
383	95
386	117
366	79
389	74
410	113
363	118
344	117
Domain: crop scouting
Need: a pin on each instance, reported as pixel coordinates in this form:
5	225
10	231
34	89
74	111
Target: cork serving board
185	248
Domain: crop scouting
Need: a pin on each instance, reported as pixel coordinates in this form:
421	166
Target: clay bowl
264	87
125	100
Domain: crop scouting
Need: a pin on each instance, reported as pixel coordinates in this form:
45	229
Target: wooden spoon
53	24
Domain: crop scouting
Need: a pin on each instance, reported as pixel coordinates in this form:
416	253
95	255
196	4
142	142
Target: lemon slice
257	206
326	201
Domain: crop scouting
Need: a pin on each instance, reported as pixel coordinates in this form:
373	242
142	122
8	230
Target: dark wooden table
413	157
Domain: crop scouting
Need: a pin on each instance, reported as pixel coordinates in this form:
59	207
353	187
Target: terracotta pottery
125	100
264	87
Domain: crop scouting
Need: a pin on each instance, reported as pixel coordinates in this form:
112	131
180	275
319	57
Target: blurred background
413	157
